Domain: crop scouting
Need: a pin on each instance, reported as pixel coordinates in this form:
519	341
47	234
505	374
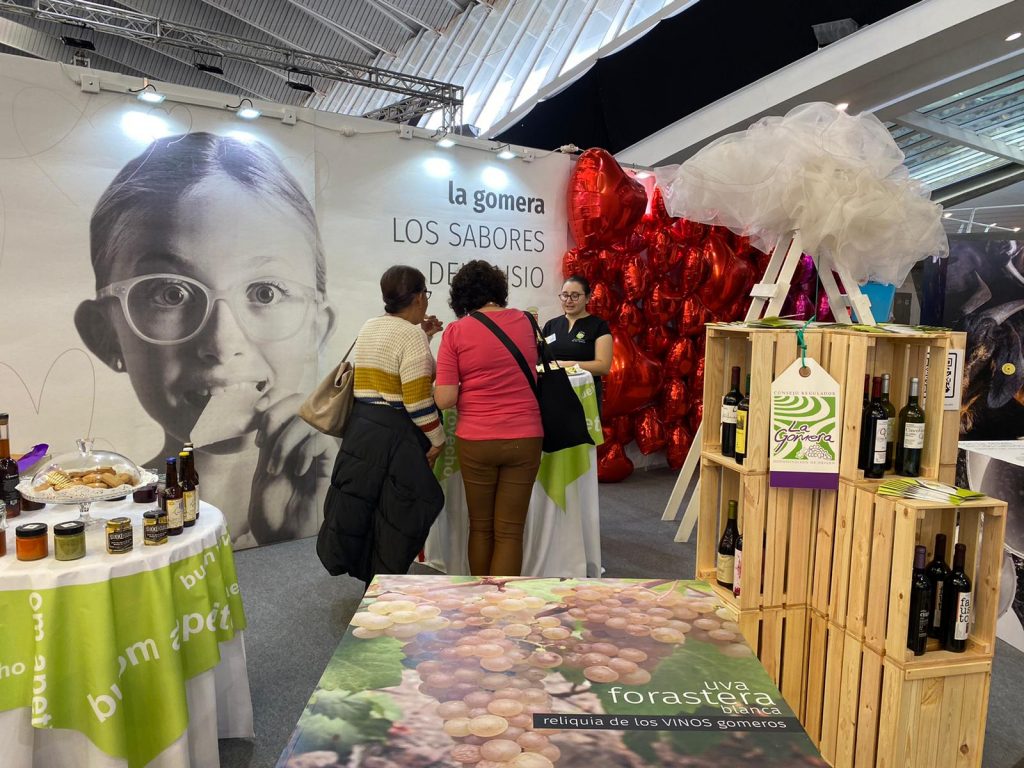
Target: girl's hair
150	186
476	283
584	283
399	285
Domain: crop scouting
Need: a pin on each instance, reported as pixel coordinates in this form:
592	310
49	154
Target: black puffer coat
383	496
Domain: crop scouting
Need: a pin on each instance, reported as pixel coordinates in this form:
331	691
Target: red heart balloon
696	415
824	310
612	261
698	377
681	358
805	271
662	303
693	271
728	277
622	427
679	439
591	267
658	246
674	401
634	277
608	433
798	305
691	318
689	232
658	211
603	299
633	380
650	432
656	340
604	203
572	263
629	319
613	466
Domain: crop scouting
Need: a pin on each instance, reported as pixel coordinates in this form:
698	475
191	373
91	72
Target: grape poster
472	672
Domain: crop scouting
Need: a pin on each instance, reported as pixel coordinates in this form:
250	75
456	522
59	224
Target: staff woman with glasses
210	296
578	337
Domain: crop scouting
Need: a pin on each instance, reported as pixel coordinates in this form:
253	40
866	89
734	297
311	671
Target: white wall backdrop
208	214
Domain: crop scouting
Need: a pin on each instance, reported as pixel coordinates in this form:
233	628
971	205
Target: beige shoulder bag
328	406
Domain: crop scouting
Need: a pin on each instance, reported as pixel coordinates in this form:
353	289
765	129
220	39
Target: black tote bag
561	412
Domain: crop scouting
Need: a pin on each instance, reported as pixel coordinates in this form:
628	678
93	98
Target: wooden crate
779	638
951	418
777	526
830	672
817	655
932	718
764	354
849	355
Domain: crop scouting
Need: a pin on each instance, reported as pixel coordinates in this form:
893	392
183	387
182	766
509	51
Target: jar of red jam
32	541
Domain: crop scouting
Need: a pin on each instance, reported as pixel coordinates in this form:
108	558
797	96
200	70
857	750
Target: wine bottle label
737	572
191	501
913	436
729	414
175	513
881	437
741	432
890	430
726	565
963	616
9	489
922	622
937	613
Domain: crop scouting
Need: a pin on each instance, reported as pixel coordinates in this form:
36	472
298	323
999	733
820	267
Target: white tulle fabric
839	179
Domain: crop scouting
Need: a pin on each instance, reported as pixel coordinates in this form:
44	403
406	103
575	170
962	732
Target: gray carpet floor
297	615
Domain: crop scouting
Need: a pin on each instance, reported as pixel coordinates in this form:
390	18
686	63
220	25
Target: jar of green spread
69	540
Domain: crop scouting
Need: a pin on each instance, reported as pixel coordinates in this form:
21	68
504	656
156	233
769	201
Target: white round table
122	660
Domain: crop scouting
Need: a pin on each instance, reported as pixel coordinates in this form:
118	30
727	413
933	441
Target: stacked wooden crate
827	574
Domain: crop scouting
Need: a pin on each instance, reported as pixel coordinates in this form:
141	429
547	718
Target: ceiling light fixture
445	143
947	215
211	69
506	154
643	174
1014	36
296	85
304	87
78	42
148	93
842	106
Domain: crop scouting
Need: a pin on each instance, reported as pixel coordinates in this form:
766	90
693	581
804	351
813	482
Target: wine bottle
937	573
911	435
742	412
865	413
878	423
195	473
737	567
956	604
890	434
727	549
730	403
9	475
188	489
174	501
920	604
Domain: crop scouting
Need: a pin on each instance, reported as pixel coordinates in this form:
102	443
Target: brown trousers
498	476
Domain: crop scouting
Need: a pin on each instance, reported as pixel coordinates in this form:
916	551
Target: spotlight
1014	36
304	87
212	69
506	154
445	143
842	106
78	42
642	174
947	215
149	94
245	112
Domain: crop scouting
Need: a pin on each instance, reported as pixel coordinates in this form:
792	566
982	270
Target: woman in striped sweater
383	496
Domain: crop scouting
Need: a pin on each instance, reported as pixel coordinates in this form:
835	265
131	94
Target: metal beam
152	30
396	13
27	39
961	136
364	43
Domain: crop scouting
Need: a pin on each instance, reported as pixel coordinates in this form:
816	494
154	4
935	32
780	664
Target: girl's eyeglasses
574	296
171	309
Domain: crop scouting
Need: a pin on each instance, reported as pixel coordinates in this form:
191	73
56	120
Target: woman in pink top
498	432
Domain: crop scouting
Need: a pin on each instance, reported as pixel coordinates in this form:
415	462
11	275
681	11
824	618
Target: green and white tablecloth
122	652
563	533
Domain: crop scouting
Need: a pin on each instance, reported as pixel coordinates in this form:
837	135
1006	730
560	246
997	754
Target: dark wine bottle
737	566
937	573
878	424
9	475
730	403
742	412
920	604
911	436
890	434
956	604
727	549
862	457
174	500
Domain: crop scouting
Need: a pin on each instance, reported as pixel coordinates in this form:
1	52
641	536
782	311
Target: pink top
495	400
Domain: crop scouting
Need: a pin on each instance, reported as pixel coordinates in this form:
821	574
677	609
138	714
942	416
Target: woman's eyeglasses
427	293
567	296
171	309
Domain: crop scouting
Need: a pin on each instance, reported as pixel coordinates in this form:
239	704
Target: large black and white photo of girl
210	283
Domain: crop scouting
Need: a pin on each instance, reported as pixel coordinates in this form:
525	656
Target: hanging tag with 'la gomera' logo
805	428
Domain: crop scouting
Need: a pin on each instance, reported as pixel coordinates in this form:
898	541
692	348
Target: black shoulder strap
512	348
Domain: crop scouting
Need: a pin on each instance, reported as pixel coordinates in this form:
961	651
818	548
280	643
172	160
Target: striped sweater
394	366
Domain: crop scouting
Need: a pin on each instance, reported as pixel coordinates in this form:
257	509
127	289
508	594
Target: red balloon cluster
807	297
656	279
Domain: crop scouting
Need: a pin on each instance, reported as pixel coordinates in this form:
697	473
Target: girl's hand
294	461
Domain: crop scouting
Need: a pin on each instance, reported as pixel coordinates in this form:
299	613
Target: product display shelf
848	355
764	354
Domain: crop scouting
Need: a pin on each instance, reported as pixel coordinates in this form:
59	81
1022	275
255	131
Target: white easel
768	297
